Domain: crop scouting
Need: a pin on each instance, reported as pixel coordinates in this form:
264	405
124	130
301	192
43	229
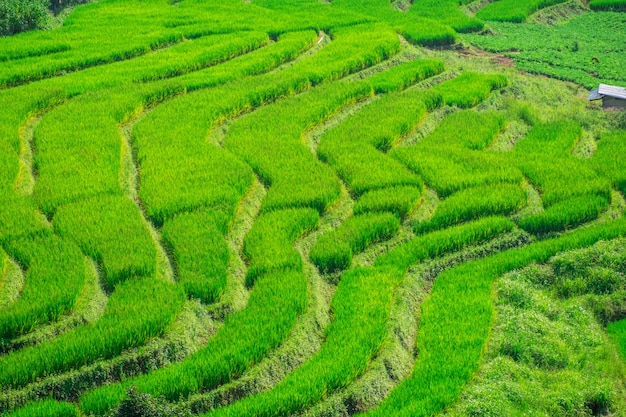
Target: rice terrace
313	208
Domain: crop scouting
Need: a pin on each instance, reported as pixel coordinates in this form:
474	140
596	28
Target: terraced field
305	208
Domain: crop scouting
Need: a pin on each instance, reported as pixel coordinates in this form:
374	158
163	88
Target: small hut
613	97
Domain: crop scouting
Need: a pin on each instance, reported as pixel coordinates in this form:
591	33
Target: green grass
456	319
48	408
361	309
96	225
400	201
268	247
513	10
55	277
246	337
470	88
613	5
200	253
474	203
437	243
334	250
138	310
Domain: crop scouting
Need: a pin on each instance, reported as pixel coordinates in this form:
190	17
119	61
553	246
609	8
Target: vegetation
295	207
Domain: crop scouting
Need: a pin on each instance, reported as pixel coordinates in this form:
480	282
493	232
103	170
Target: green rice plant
476	202
200	251
545	159
78	148
247	336
611	5
268	246
425	32
55	277
470	88
333	251
405	75
361	310
513	10
565	214
468	129
607	160
437	243
162	134
450	169
270	141
19	217
138	310
354	147
617	330
111	230
456	321
48	408
446	12
400	201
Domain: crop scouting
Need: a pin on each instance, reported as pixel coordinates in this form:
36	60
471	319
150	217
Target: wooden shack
613	97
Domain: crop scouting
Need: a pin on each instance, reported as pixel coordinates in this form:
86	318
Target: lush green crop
398	200
189	148
455	323
474	203
138	309
200	251
572	193
403	76
268	247
247	336
54	279
437	243
48	408
615	5
452	169
361	308
618	331
354	148
607	159
568	51
333	251
96	225
513	10
470	88
467	129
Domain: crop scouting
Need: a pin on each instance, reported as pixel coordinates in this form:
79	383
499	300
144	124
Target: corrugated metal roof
594	95
612	91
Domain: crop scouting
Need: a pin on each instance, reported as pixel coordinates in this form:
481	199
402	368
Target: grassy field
315	209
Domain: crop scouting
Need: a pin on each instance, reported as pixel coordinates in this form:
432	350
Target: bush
20	15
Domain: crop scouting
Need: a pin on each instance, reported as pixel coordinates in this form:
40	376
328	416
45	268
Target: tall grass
544	157
451	169
474	203
334	250
354	148
55	277
138	309
470	88
246	337
455	323
400	201
48	408
435	244
513	10
268	246
361	308
200	251
467	129
111	230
